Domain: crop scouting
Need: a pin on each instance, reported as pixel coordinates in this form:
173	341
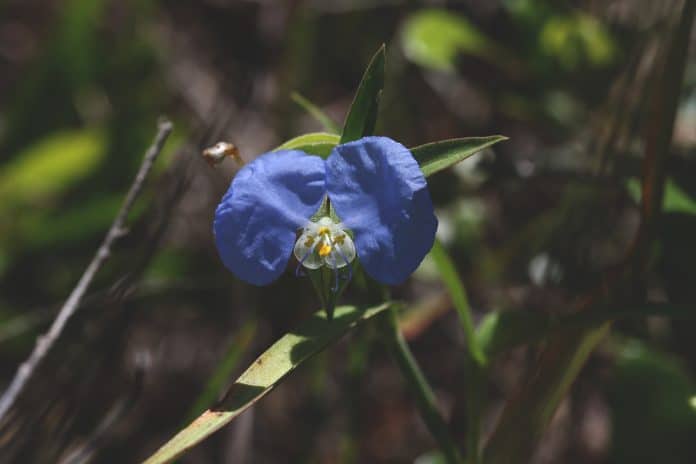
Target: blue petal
378	191
269	199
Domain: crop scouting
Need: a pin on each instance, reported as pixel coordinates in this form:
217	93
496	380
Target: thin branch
117	230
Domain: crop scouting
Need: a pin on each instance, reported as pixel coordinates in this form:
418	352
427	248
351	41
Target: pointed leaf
362	114
436	156
530	410
453	282
316	112
265	373
241	341
315	143
500	331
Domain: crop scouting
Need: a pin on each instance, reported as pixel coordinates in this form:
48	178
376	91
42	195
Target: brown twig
117	230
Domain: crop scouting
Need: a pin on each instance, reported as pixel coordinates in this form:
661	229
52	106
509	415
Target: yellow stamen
324	250
323	230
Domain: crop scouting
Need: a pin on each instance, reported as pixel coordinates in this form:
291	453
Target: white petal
305	254
342	254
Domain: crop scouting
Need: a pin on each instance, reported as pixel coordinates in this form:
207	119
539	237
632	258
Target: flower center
324	243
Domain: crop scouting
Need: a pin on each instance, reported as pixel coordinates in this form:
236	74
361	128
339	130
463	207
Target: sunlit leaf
315	143
436	156
675	200
265	373
435	38
577	39
362	114
51	165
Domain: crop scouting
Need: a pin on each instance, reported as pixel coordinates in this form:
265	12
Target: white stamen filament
324	243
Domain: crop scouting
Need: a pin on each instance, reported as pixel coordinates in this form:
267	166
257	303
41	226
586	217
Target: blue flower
374	185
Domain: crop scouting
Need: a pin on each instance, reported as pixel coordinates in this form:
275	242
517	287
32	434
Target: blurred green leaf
73	224
500	331
649	395
577	39
240	343
436	156
76	41
527	414
316	112
435	38
675	200
265	373
362	114
315	143
50	166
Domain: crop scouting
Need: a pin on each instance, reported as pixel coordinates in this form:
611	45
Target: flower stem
476	360
475	375
453	282
417	383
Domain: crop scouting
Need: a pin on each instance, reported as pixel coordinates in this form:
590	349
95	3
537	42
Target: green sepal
314	143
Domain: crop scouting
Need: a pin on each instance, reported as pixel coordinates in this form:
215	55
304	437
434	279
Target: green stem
476	360
417	383
450	277
474	402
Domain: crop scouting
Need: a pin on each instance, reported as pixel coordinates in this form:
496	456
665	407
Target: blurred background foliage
531	224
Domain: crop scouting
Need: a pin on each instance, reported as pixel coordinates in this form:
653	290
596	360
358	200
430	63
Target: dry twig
117	230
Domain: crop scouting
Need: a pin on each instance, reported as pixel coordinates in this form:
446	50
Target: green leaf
419	386
436	156
649	395
265	373
51	165
675	200
435	38
577	39
527	414
362	114
240	343
456	290
502	330
315	112
41	229
315	143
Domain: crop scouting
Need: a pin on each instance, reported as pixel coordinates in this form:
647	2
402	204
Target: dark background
532	224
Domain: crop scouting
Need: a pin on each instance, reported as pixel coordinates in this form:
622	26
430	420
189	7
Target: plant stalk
417	383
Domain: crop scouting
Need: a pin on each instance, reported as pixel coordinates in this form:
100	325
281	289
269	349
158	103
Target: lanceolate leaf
265	373
362	114
501	331
528	413
315	112
315	143
436	156
455	288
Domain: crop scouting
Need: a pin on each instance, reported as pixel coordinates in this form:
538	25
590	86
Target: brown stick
45	342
